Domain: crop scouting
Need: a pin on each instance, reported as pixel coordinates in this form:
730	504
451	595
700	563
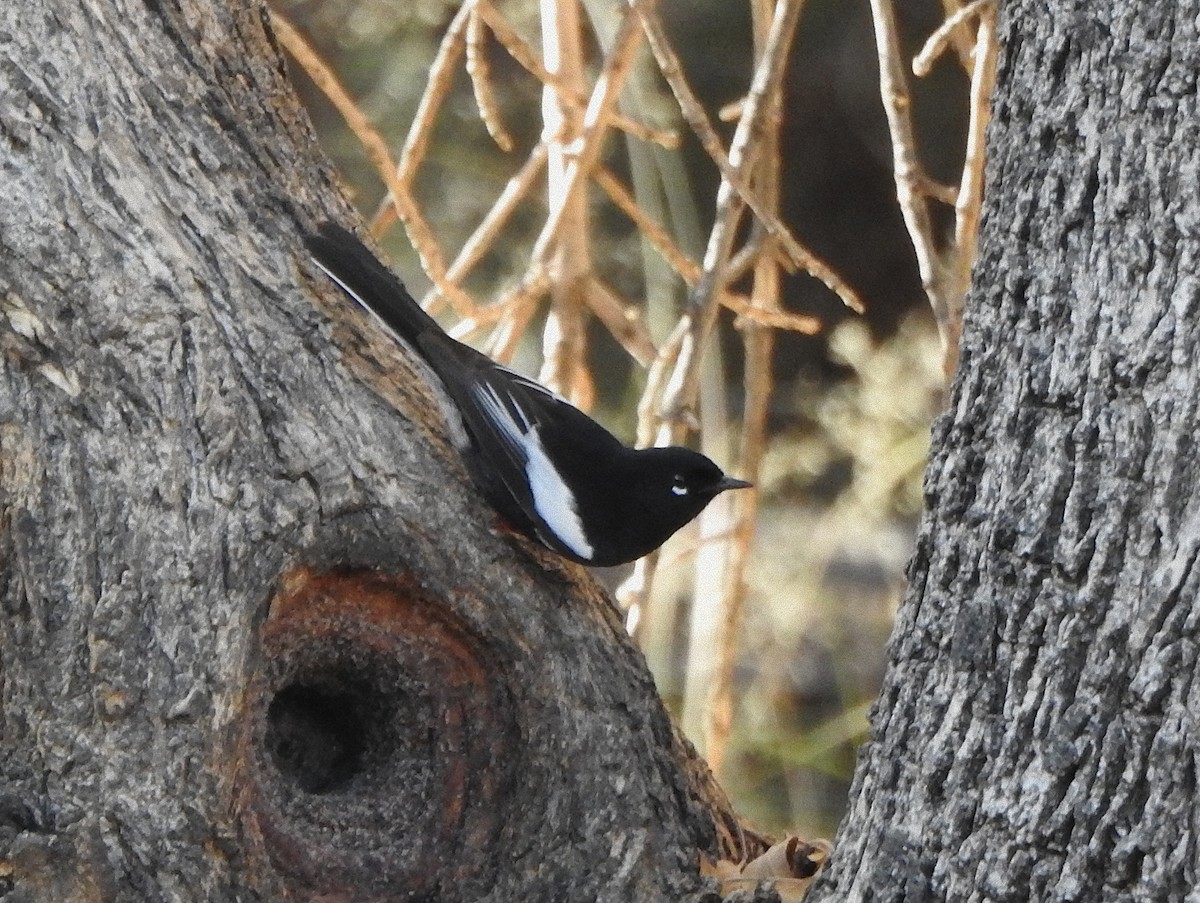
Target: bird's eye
679	485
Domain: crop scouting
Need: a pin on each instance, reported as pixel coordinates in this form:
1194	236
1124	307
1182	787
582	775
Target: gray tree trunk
258	639
1037	737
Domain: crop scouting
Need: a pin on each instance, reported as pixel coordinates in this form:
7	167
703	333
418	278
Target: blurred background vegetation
850	405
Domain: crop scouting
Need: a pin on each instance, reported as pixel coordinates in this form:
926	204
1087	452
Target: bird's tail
352	265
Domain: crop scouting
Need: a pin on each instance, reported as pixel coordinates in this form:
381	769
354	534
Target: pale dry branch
758	340
970	196
656	381
828	276
377	150
526	57
693	113
518	48
623	321
687	268
937	42
519	306
732	111
773	317
489	228
534	284
586	149
745	257
564	248
441	78
759	343
907	170
759	115
961	39
633	593
939	191
909	174
945	275
480	75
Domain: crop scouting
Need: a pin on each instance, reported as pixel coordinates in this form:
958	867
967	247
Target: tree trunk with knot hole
258	637
1037	736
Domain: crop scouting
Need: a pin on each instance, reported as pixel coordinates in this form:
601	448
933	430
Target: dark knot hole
317	735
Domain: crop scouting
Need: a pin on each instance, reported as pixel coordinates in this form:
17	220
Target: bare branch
694	115
377	150
681	388
945	275
489	227
564	249
441	78
766	315
622	320
687	268
951	31
481	81
759	341
970	195
527	58
520	304
587	149
909	175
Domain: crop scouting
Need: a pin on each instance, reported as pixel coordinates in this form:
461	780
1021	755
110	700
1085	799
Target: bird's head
682	481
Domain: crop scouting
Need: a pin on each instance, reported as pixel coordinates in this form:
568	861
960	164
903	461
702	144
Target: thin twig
489	227
939	191
693	112
634	592
564	250
480	74
377	150
908	173
700	316
687	268
937	42
587	147
744	259
945	275
961	38
526	57
970	194
520	304
765	315
759	342
441	79
656	380
420	130
623	321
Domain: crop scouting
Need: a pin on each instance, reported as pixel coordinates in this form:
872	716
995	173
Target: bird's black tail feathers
353	266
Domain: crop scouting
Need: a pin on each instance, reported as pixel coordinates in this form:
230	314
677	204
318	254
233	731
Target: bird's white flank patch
552	498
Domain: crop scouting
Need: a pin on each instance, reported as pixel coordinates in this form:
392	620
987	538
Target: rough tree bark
1037	737
257	638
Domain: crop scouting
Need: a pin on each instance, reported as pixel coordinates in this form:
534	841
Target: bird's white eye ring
679	486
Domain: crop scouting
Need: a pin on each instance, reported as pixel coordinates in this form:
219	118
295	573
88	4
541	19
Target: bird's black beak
731	483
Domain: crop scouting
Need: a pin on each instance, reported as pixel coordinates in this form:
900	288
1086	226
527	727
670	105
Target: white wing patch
552	498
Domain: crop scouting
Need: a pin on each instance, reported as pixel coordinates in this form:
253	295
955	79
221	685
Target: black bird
551	471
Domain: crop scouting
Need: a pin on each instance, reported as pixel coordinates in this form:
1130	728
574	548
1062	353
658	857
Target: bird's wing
508	413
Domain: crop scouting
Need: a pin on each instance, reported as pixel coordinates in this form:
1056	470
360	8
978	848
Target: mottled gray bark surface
1037	735
258	639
